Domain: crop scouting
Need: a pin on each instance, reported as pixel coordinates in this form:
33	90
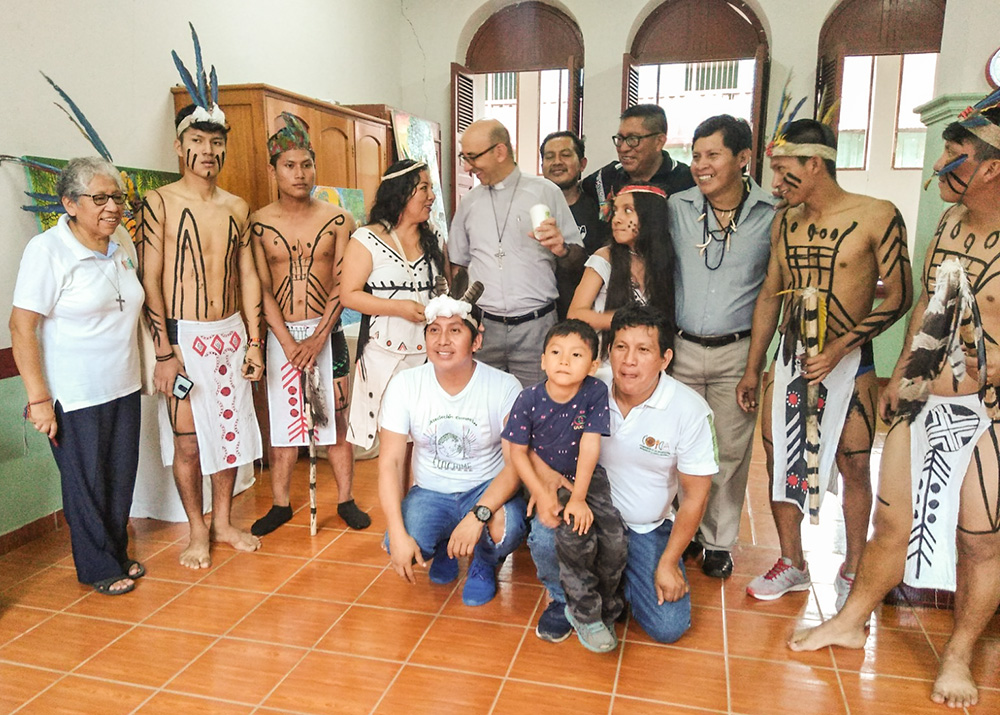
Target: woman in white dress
390	266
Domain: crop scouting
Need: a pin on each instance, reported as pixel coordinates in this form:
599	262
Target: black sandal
138	574
104	585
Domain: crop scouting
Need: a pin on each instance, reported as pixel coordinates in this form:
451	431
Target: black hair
810	131
208	127
574	327
981	151
644	316
655	250
652	115
274	159
390	200
577	143
736	133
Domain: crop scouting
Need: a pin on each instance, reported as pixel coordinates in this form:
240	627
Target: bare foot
832	632
196	555
239	540
954	686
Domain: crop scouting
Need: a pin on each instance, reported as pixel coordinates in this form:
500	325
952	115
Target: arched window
524	66
698	58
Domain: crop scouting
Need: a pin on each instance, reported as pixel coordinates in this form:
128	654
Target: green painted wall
29	481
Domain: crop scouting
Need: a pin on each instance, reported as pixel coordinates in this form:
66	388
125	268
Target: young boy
561	420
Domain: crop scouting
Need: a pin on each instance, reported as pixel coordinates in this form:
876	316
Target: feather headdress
983	119
50	203
203	89
443	305
294	135
779	144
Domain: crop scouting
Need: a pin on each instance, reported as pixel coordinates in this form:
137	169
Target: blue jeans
664	622
430	517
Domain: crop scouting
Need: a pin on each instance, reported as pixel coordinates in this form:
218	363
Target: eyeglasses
100	199
633	139
470	158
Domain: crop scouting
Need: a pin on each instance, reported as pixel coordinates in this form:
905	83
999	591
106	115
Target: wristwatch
483	513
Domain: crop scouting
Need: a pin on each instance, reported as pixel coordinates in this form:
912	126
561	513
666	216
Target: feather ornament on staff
317	415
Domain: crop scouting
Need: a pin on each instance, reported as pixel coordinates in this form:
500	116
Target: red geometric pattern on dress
198	346
221	345
291	379
217	345
235	341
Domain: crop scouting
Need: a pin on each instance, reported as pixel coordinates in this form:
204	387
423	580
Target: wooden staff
811	341
307	406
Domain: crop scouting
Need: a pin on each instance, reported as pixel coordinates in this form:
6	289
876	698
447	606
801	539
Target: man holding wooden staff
829	248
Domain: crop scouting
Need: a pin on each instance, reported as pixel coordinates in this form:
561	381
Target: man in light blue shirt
721	232
492	235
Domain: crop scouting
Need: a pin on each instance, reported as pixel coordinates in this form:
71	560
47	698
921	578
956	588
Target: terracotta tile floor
320	625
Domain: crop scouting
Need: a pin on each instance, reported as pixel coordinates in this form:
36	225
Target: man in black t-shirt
563	162
641	158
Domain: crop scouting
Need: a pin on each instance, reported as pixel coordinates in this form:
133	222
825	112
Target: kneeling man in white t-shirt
662	438
465	498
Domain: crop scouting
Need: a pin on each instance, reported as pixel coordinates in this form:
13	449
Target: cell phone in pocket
182	386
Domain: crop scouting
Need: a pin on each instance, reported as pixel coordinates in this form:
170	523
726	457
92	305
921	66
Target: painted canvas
351	200
415	140
44	182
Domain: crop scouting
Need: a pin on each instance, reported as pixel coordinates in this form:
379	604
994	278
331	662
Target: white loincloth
943	438
371	376
790	483
284	391
221	401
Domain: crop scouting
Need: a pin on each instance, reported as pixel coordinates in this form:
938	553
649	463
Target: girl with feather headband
937	519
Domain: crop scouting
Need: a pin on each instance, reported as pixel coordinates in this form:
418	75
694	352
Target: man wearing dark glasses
641	158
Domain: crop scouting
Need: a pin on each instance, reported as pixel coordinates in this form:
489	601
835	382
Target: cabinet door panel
370	146
334	145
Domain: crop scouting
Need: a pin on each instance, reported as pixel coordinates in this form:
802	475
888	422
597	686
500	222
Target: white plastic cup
538	213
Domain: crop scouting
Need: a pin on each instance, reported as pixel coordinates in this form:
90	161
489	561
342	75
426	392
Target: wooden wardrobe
352	148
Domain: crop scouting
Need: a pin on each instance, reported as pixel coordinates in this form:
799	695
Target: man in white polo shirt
662	438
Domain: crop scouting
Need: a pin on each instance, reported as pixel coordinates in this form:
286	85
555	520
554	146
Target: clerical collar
514	175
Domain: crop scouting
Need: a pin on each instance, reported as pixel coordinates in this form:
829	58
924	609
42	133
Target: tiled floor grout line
750	516
517	651
618	666
725	648
416	645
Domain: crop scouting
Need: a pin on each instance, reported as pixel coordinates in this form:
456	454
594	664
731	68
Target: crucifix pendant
121	303
499	256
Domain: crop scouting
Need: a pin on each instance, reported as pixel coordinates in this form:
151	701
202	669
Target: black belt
518	319
714	341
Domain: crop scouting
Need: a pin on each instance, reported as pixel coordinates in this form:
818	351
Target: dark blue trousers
97	456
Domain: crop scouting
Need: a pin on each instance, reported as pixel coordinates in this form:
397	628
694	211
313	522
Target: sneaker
480	584
782	578
717	564
552	625
842	585
595	637
443	569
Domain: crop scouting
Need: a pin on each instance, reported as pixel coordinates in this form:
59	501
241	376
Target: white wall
113	59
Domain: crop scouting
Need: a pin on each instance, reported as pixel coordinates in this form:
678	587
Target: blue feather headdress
983	119
780	146
203	89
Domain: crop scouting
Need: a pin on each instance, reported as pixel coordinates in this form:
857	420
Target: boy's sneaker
480	584
443	569
842	585
782	578
595	637
552	624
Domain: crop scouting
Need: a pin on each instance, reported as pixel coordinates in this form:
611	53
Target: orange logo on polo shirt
655	446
